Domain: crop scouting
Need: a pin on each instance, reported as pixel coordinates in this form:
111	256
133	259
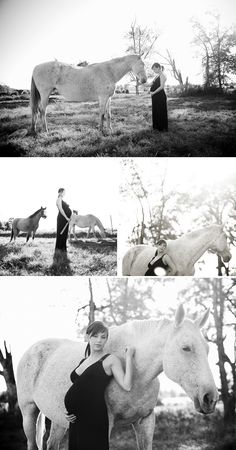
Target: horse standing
28	225
88	221
184	251
95	82
177	347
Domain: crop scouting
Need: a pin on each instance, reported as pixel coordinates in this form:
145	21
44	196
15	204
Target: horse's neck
198	245
149	338
120	68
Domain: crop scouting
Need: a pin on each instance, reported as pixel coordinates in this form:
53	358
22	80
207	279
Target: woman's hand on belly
70	417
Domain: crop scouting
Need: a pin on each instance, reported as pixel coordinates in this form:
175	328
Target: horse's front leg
144	431
109	114
102	106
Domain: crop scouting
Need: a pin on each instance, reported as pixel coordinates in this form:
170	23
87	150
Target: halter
211	248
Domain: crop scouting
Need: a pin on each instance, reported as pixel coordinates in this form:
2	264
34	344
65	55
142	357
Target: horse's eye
186	348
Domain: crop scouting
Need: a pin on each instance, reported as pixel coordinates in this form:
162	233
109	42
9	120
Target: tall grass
39	258
198	126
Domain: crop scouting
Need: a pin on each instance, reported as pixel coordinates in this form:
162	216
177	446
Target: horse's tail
101	227
34	96
127	262
40	430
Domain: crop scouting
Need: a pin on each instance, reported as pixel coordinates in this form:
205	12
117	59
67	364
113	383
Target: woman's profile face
156	69
98	340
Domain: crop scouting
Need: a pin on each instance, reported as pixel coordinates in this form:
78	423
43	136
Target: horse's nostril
208	400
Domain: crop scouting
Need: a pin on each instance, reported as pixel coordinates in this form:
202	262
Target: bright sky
33	31
34	308
181	176
91	186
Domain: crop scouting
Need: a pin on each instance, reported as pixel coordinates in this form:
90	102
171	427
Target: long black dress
159	263
85	399
159	107
61	222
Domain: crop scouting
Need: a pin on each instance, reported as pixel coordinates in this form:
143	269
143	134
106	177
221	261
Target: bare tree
141	42
175	71
9	377
219	295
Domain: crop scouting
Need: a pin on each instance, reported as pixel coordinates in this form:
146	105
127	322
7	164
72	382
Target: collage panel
181	217
161	349
59	217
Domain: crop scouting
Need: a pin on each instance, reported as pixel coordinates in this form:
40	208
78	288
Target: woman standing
63	218
158	95
85	401
161	261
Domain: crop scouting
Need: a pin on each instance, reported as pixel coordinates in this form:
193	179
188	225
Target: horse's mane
195	233
141	326
35	213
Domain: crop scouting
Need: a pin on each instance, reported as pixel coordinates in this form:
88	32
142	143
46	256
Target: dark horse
28	225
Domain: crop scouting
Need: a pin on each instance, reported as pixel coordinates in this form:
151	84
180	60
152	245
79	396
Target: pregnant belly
73	399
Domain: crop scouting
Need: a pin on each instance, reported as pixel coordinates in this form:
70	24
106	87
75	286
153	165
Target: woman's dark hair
161	241
157	65
60	190
94	328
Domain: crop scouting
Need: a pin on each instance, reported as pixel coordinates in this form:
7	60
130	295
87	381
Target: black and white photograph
182	217
115	363
58	217
117	225
87	78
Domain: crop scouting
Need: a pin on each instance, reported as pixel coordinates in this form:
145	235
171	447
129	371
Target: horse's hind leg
144	431
88	234
42	109
30	415
94	234
56	436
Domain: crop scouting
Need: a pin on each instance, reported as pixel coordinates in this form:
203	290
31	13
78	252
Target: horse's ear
179	315
201	321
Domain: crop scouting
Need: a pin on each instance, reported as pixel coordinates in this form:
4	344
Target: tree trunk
8	375
92	306
137	86
228	399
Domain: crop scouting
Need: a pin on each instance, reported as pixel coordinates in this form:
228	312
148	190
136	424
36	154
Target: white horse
177	347
184	251
88	221
95	82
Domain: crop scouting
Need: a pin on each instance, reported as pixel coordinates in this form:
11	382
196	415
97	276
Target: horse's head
185	361
220	246
42	212
138	68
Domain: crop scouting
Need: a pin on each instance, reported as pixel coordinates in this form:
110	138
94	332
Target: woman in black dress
63	218
161	262
85	401
158	95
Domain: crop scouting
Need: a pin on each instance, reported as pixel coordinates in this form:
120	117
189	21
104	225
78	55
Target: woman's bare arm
59	205
123	378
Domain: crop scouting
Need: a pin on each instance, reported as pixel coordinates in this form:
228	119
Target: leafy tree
217	47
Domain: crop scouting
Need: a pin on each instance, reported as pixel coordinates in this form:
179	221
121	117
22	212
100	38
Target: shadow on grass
100	245
61	265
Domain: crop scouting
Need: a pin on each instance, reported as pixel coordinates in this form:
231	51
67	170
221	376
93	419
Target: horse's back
136	259
43	375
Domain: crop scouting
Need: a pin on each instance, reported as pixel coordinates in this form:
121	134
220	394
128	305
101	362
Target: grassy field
179	430
84	257
198	126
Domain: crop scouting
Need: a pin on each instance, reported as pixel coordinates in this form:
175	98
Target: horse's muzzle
143	80
227	258
207	404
